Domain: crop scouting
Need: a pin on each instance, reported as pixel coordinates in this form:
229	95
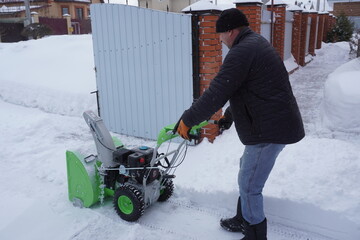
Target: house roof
6	10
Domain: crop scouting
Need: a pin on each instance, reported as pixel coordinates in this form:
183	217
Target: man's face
226	39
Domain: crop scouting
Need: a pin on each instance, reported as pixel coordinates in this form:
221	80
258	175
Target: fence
288	34
57	25
11	32
266	24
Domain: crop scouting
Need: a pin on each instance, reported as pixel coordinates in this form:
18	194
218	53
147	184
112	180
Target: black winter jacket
255	81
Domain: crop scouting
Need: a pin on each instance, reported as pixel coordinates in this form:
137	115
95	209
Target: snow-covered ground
45	86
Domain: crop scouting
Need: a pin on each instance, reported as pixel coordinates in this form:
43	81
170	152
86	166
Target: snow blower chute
135	178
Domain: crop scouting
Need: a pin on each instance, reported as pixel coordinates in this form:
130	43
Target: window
79	13
64	10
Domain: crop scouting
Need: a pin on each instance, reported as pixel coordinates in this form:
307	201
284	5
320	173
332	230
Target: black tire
166	191
128	203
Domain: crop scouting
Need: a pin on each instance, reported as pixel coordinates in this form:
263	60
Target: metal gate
288	34
266	24
308	27
143	67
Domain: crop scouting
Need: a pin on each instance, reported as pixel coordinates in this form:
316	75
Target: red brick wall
253	14
326	27
304	22
279	28
348	8
296	32
210	53
313	33
320	31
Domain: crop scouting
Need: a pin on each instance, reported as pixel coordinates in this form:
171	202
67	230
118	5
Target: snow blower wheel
128	203
166	191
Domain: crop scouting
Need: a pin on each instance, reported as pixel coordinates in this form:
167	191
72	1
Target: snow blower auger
135	178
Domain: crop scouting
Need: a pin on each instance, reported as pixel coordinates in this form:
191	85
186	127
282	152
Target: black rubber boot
234	224
255	232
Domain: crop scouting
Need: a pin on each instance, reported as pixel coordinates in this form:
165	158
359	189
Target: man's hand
224	123
183	130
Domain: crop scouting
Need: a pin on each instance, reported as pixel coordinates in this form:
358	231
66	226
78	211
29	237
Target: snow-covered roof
204	5
5	9
276	2
309	5
247	1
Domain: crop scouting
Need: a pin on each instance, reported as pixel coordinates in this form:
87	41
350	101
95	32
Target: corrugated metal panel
308	35
144	67
266	24
288	34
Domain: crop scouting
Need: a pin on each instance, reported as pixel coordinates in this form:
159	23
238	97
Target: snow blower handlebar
169	132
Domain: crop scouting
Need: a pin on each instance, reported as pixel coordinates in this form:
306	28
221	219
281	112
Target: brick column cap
202	6
248	2
276	3
294	8
312	11
323	13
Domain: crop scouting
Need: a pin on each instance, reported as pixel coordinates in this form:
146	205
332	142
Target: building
78	9
351	9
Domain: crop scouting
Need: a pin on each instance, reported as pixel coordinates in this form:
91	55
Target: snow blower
135	178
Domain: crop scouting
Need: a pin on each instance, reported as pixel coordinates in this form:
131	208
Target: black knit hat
230	19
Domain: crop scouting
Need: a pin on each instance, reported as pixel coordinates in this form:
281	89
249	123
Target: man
255	81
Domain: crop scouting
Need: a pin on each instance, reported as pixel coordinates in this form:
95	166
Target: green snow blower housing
135	178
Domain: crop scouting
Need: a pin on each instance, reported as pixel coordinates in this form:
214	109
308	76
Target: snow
276	2
341	105
291	64
203	5
45	86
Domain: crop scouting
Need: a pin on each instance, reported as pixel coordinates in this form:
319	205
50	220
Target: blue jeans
255	167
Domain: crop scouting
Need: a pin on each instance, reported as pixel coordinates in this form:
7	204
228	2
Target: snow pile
49	74
341	105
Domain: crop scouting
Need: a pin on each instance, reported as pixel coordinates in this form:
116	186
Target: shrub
354	44
36	31
342	31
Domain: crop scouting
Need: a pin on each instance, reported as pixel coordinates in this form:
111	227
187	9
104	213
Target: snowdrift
341	105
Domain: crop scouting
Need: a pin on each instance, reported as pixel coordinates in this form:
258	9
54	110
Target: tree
36	30
355	44
342	31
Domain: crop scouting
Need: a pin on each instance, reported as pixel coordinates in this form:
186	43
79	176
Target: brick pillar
320	31
326	26
68	23
252	10
278	39
210	60
332	21
313	32
35	17
296	33
302	52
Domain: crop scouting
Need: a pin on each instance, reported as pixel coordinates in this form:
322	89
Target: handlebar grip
194	136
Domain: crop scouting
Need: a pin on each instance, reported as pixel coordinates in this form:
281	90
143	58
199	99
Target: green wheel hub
125	204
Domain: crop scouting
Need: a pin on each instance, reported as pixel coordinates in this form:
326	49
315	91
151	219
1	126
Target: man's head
229	24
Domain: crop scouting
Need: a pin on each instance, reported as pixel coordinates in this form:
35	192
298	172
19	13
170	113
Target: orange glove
183	130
